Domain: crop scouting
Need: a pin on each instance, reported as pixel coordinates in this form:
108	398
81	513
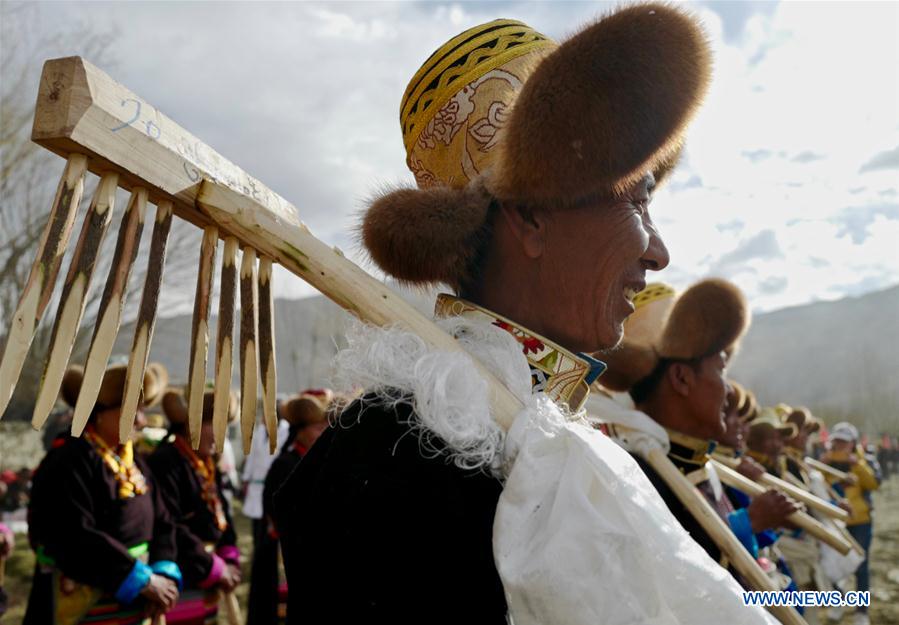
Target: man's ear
528	227
681	376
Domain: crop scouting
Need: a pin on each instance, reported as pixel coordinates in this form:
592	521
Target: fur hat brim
599	112
174	405
627	364
112	388
607	106
709	317
308	408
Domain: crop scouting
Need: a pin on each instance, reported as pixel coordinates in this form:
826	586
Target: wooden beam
199	334
42	277
224	343
794	491
80	108
267	352
249	352
74	296
801	519
146	319
109	315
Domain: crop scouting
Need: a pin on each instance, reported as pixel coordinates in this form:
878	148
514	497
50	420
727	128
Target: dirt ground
884	564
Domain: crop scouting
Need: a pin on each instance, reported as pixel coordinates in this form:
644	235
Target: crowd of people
409	501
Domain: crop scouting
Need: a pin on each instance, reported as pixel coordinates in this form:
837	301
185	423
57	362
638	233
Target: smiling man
673	364
537	216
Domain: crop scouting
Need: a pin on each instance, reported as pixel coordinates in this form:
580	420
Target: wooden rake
100	126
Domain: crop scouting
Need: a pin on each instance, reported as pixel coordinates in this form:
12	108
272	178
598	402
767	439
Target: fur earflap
604	108
112	388
309	407
711	316
427	236
174	405
627	364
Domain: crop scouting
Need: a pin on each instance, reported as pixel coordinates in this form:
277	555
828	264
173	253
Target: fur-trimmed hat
747	408
709	317
802	418
501	113
112	388
174	405
771	418
309	407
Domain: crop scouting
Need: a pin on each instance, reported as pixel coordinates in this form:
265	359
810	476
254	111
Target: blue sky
790	182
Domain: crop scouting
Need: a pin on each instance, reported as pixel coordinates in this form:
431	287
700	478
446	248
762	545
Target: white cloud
306	97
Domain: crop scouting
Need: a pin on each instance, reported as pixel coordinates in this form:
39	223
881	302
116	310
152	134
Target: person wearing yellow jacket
845	455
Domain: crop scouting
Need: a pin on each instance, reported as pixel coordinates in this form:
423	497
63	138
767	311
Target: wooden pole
828	470
718	531
42	277
796	492
249	352
74	296
127	134
199	334
109	316
232	609
224	343
800	519
267	352
146	320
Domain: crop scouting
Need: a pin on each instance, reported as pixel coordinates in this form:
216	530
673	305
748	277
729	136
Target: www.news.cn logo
807	598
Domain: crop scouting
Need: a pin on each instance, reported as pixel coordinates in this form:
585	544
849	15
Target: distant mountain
838	358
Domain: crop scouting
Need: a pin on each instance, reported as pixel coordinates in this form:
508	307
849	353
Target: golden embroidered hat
709	317
502	113
112	388
174	405
769	417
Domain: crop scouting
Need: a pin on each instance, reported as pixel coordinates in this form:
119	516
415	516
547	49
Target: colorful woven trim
458	62
121	462
689	449
563	376
205	472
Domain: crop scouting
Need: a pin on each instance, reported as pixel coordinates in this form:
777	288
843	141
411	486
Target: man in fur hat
537	215
104	541
191	487
307	415
768	435
672	364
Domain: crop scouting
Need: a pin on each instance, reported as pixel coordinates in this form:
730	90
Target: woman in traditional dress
105	543
191	487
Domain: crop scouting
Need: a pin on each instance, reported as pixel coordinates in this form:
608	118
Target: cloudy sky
790	184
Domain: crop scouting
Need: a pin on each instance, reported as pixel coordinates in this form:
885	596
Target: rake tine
249	353
74	296
42	277
146	320
224	345
267	351
199	341
109	315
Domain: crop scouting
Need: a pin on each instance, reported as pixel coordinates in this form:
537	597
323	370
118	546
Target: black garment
679	510
77	518
195	525
379	530
264	579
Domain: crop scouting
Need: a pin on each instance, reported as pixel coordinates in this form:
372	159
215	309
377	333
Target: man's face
769	442
733	430
841	446
708	397
594	260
